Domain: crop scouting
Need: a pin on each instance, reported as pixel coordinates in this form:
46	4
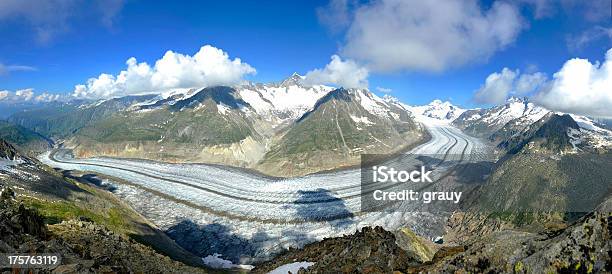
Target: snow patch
222	108
575	137
372	103
215	261
361	120
586	123
292	267
6	164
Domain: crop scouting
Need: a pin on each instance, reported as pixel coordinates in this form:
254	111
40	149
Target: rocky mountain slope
85	247
371	250
585	246
58	120
544	209
543	180
212	125
24	138
342	125
500	121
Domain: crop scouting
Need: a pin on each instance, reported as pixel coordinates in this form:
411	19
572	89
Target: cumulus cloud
344	73
47	97
27	95
528	83
50	17
210	66
496	87
500	85
580	87
396	35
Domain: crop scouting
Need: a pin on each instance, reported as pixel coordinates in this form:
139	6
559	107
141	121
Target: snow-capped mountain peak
285	101
438	109
294	80
516	108
390	100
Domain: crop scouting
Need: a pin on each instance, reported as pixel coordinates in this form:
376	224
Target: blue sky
275	37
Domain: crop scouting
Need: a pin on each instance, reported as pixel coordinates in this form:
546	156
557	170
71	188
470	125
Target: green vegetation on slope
22	137
59	120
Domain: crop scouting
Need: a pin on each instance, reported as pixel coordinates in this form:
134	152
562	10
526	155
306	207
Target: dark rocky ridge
371	250
8	151
583	247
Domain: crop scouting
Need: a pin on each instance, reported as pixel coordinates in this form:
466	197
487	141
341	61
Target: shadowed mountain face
551	132
26	139
7	151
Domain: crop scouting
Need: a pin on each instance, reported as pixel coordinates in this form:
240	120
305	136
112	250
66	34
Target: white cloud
208	67
500	85
25	94
28	95
581	87
496	87
384	90
395	35
47	97
529	82
345	73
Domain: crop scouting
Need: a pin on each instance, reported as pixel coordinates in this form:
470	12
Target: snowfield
254	217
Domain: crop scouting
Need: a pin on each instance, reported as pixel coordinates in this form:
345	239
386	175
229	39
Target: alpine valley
280	129
264	177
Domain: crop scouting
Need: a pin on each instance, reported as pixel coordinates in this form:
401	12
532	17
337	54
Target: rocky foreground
583	247
85	247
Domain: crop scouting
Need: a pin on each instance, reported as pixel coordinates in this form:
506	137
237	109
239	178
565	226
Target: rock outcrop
371	250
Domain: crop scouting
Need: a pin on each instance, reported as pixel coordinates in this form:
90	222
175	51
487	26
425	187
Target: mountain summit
438	109
294	80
